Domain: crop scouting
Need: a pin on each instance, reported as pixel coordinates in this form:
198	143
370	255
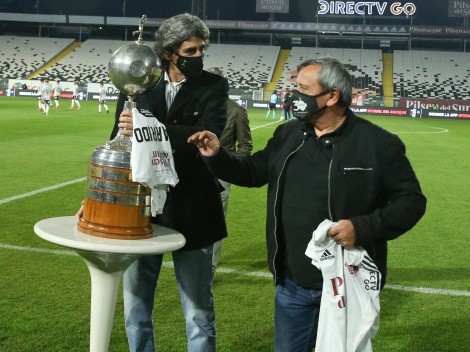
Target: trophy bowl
133	68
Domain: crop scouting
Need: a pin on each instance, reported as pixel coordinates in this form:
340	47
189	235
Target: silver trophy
115	206
133	68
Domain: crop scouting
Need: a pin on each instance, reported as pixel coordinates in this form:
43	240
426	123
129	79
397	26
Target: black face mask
305	106
190	66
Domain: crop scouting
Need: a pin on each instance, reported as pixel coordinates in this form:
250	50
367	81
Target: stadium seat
21	56
245	66
431	74
87	63
364	65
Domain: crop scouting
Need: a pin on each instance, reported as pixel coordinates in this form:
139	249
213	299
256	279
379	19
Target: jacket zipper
275	206
329	183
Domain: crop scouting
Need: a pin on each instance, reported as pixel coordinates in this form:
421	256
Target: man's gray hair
333	75
177	29
216	70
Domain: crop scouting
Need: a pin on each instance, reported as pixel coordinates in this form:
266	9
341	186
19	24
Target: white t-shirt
75	90
350	306
152	161
103	92
46	92
57	90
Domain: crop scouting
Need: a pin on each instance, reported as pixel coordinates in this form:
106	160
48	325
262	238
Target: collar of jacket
331	138
188	91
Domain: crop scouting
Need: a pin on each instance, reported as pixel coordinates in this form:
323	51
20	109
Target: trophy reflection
114	206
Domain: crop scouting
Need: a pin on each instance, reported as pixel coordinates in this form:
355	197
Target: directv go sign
364	8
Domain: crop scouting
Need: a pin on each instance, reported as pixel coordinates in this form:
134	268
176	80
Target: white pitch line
263	274
403	132
38	250
439	129
41	190
436	291
265	125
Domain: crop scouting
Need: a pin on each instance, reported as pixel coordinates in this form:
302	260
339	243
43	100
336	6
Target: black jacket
195	200
371	182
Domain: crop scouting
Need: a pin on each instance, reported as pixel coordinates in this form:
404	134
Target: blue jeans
193	270
296	313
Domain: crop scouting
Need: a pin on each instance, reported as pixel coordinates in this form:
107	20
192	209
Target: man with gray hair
187	99
327	164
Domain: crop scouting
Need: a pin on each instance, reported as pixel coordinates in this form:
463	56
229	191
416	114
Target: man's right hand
125	123
207	143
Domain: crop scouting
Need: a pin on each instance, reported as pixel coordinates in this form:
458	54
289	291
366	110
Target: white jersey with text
46	92
152	161
350	306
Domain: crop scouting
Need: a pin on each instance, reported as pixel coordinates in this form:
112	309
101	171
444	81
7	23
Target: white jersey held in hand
152	161
350	306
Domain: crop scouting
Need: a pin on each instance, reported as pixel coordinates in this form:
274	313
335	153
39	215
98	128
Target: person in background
326	164
102	98
186	99
273	98
287	104
75	92
57	90
40	105
235	138
46	92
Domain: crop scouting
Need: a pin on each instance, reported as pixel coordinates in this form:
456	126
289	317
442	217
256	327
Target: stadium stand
364	64
248	67
21	56
88	63
245	66
431	74
418	74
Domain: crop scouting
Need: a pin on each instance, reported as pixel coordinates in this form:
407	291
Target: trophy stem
129	104
120	142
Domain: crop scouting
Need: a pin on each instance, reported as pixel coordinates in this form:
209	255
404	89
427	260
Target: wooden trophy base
114	221
119	233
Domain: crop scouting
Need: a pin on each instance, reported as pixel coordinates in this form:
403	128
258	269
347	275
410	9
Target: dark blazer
371	182
193	206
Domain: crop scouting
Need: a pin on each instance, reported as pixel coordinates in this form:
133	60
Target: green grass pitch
45	289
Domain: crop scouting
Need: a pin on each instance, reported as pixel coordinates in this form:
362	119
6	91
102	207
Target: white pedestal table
106	259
